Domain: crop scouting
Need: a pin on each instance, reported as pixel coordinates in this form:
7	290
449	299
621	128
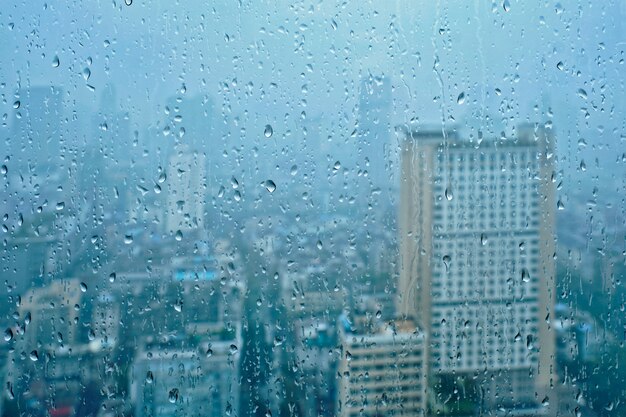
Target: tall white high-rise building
477	246
374	132
186	190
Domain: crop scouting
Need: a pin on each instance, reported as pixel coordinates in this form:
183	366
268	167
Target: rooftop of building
365	327
525	135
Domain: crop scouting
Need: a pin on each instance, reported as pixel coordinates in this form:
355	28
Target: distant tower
192	119
477	246
186	190
36	139
374	135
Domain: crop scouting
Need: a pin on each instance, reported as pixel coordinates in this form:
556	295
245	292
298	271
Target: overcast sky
268	61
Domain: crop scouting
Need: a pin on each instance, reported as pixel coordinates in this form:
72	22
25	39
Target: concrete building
186	190
314	340
37	142
477	247
50	315
51	369
184	376
382	370
375	130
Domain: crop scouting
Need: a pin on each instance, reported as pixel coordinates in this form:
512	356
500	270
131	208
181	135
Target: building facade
382	370
477	245
186	191
187	377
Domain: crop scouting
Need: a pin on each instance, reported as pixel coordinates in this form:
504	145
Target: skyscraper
477	253
374	134
37	139
186	191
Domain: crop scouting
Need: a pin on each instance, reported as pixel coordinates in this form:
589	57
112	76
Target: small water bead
270	186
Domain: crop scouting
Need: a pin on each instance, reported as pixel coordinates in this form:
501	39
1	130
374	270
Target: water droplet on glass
4	169
178	236
448	194
268	132
319	245
112	277
128	239
560	66
10	393
461	98
17	104
269	186
233	349
173	395
8	335
83	287
483	239
128	2
525	275
560	205
294	170
34	356
91	335
86	74
149	377
582	93
446	261
56	62
60	206
558	8
506	5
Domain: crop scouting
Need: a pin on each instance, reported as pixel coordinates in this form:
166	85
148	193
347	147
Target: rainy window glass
312	208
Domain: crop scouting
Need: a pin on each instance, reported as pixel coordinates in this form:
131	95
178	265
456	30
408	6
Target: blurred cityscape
407	270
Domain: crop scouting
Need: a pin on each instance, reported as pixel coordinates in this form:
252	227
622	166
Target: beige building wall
383	373
475	318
